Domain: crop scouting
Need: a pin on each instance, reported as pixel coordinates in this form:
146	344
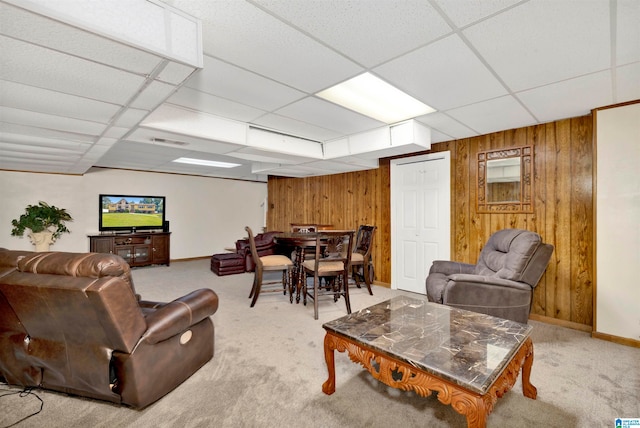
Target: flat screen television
130	212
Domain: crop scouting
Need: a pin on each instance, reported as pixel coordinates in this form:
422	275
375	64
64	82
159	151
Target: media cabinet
137	249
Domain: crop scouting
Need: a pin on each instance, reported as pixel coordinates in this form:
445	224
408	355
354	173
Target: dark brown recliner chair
501	283
73	323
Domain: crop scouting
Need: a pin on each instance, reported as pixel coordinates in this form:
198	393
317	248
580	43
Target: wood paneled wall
563	209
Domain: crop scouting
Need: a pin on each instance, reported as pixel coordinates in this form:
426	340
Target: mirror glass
505	180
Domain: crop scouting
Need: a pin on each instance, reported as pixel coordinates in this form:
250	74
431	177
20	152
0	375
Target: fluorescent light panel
375	98
204	162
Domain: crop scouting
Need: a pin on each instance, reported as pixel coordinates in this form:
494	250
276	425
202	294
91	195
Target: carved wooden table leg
329	387
528	390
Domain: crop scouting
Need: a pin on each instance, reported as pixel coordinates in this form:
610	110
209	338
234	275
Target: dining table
296	243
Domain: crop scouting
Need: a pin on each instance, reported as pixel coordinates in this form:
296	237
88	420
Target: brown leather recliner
72	322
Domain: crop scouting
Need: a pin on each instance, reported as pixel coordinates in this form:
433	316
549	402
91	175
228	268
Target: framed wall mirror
505	180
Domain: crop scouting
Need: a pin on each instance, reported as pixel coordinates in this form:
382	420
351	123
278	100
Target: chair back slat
252	246
304	228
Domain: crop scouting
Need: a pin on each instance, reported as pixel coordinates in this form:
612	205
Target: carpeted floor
269	366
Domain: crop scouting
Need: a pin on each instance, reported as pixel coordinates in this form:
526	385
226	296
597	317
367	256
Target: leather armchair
501	283
73	323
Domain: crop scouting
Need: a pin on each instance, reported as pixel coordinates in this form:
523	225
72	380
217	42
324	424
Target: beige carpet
269	366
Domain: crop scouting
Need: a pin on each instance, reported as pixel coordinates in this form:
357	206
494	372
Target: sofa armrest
447	267
177	316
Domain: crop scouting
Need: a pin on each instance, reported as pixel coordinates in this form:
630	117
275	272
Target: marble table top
466	348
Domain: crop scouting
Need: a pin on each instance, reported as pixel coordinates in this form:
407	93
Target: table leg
528	390
329	387
476	415
298	274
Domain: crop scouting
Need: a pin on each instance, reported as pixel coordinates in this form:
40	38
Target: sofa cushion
89	265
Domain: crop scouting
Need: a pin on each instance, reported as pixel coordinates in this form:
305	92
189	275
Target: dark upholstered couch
501	284
265	244
72	322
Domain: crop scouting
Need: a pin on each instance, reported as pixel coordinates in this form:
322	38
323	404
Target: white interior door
420	218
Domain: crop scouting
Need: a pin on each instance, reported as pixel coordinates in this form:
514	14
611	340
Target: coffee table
409	343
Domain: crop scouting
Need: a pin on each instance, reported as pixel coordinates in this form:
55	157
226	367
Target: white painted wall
618	221
206	214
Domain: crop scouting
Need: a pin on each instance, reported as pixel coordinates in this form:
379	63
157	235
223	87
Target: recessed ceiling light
375	98
204	162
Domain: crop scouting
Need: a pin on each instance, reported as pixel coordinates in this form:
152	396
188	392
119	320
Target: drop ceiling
73	96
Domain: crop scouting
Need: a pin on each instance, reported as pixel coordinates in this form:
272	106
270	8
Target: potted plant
45	222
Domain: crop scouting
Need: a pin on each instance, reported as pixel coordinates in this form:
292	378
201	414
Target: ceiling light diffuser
204	162
373	97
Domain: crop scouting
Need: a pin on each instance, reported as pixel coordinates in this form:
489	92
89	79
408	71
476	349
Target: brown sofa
72	322
265	244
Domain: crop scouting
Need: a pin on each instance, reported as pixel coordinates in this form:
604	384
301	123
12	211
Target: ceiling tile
196	100
370	32
501	63
40	100
40	143
327	115
446	125
252	39
39	134
10	162
628	83
175	73
47	121
628	31
130	117
547	41
233	83
493	115
46	32
591	90
153	95
296	127
444	75
258	155
43	147
463	13
35	66
439	137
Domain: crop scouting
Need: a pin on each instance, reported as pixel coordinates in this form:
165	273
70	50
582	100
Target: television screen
130	212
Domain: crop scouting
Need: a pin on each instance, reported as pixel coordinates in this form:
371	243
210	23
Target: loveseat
265	244
72	322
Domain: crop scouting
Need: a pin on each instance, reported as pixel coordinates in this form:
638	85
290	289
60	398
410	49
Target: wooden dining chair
273	262
303	228
331	262
361	264
301	254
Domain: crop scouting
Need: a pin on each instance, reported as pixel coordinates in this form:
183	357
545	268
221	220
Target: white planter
42	240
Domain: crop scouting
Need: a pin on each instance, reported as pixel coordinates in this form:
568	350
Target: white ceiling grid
73	97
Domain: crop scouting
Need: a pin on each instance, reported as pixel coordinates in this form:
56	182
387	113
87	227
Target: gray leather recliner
501	283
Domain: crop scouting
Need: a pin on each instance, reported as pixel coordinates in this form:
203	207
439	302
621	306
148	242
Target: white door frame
446	246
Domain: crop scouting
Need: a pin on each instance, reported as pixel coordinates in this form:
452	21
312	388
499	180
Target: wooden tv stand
137	249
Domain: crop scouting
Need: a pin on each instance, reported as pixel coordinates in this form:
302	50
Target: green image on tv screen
128	212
